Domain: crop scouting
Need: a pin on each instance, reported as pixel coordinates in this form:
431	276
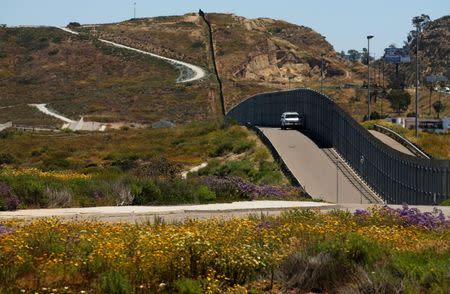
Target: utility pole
368	80
134	14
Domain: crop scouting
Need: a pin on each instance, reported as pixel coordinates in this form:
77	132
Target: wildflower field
376	251
145	171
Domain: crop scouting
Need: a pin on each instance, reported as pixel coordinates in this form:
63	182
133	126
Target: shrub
188	286
122	193
55	164
74	24
114	282
53	52
204	194
6	158
146	194
58	198
8	200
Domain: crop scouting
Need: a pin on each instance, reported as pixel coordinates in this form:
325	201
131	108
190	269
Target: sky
344	23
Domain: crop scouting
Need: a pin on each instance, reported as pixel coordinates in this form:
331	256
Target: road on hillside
391	142
197	72
316	172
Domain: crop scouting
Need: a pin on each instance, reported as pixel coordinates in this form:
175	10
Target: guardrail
402	140
395	176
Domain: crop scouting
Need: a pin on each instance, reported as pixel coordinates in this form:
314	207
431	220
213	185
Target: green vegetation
380	250
399	100
42	171
95	80
435	144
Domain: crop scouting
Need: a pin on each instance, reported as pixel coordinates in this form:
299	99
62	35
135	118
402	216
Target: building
428	124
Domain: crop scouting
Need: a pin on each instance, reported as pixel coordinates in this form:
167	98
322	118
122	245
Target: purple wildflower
5	230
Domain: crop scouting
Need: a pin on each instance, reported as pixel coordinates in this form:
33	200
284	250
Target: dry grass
435	144
79	76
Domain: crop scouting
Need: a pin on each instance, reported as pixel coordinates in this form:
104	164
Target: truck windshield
291	115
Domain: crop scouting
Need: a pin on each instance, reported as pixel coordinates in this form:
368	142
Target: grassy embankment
137	166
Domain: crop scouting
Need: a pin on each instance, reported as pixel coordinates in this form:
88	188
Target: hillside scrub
40	171
79	76
380	250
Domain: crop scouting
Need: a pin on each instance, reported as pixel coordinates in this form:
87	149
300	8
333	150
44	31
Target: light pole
134	14
368	81
321	73
417	76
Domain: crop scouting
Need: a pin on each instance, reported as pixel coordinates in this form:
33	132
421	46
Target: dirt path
195	72
43	108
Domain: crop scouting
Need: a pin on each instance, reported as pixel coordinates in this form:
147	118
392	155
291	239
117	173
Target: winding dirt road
197	72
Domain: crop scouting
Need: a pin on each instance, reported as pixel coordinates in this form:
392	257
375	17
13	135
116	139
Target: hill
434	50
80	76
253	55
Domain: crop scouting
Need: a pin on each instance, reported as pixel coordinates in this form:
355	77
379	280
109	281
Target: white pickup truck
292	120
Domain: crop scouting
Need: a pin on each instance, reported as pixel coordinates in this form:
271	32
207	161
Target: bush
146	194
58	198
6	158
74	24
113	282
188	286
8	200
55	164
204	194
53	52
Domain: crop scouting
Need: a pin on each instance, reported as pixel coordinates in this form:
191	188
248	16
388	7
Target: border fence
396	177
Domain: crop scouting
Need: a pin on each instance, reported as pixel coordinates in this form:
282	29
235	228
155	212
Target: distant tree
438	107
354	55
421	21
364	55
399	100
74	24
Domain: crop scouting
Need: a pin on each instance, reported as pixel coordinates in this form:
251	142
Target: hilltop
80	76
253	55
434	50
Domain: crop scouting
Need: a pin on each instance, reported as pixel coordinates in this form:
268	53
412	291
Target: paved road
167	213
310	165
391	142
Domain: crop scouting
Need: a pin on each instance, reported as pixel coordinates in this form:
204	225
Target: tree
353	55
438	107
421	21
399	100
74	24
364	55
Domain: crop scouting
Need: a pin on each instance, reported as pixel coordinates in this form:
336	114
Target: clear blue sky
344	23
